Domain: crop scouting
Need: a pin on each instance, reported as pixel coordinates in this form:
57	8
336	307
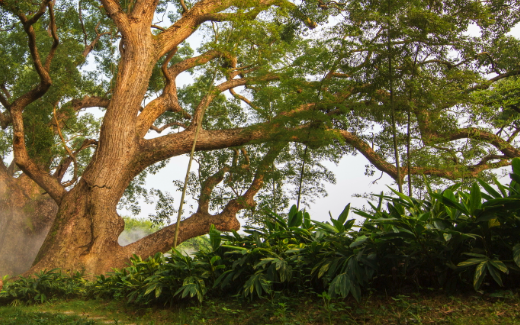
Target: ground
500	308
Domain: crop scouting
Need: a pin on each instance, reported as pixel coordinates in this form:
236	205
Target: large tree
319	92
85	231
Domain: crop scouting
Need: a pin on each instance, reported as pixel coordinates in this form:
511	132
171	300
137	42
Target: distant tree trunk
26	214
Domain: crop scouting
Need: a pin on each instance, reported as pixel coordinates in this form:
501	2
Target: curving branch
168	101
22	159
198	224
486	84
429	136
229	84
90	47
60	171
210	10
455	172
87	102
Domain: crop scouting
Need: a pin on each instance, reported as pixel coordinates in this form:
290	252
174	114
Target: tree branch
90	47
208	10
22	159
199	223
164	127
116	13
60	171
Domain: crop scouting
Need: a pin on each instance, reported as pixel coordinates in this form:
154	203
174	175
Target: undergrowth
455	240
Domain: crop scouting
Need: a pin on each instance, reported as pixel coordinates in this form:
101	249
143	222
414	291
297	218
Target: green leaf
475	199
471	261
499	265
344	215
448	198
325	226
214	237
516	254
323	269
295	217
158	291
476	255
307	220
235	247
424	216
401	195
348	225
515	177
480	273
516	166
494	274
501	187
214	259
489	189
358	241
493	223
150	289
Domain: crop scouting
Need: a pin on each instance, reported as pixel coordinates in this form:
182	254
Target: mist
129	236
26	216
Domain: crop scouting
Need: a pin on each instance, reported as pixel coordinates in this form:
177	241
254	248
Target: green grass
432	309
18	316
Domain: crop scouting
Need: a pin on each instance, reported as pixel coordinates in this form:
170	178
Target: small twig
184	8
82	24
159	28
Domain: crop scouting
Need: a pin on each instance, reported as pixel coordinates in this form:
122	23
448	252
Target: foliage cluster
44	285
453	240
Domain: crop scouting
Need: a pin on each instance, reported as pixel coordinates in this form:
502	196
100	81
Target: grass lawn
432	309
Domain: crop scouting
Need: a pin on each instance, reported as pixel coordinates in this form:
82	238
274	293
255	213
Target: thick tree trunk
85	232
26	214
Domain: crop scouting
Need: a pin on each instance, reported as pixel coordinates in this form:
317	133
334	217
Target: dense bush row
454	240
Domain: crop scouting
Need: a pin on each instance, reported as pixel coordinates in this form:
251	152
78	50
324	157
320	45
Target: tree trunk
26	214
85	232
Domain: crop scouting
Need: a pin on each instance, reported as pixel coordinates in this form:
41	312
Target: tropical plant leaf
214	237
494	274
475	199
471	261
516	254
325	226
489	189
342	218
359	241
499	265
480	273
295	217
